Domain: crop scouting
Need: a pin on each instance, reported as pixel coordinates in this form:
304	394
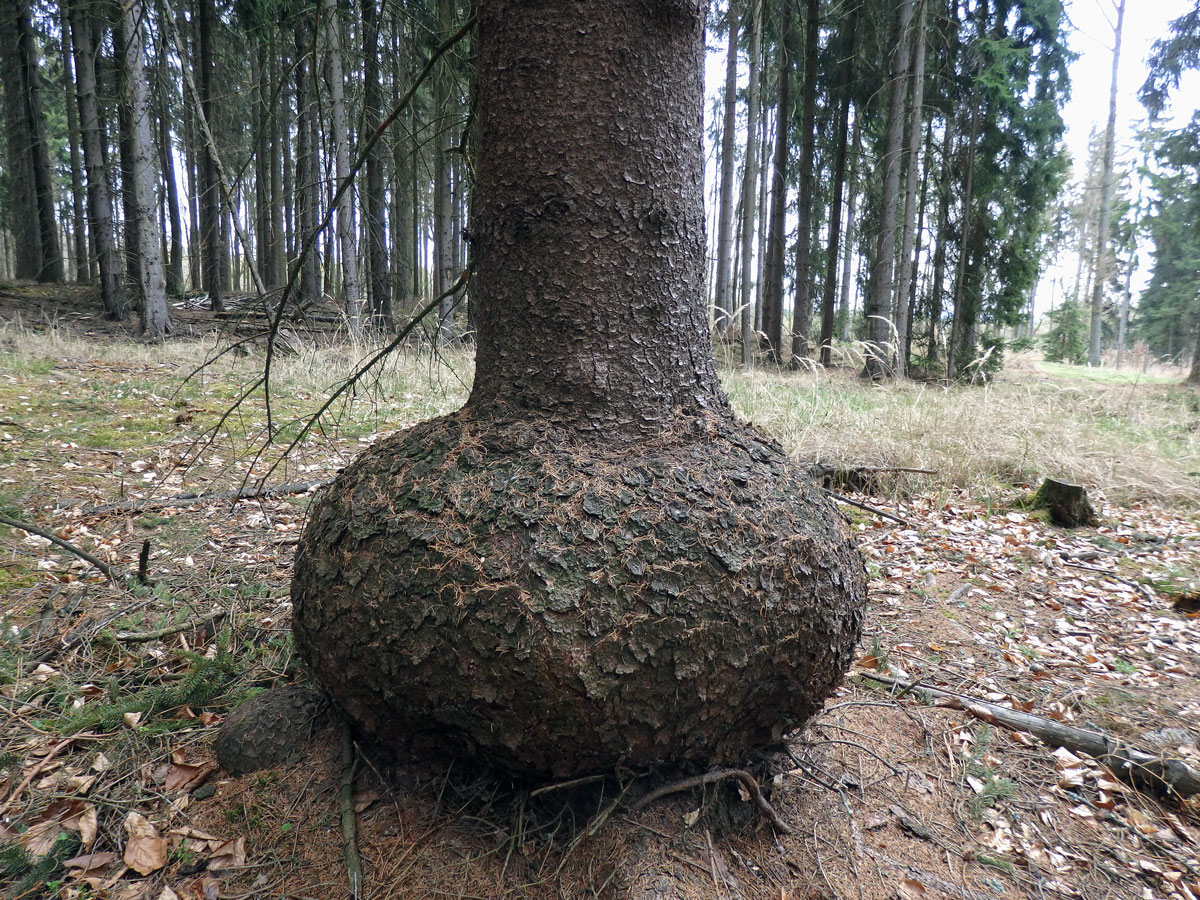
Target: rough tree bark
592	562
78	194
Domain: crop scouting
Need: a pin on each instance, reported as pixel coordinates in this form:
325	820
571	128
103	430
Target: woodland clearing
113	692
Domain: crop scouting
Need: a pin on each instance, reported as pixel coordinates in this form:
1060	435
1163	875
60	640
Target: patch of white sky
1091	38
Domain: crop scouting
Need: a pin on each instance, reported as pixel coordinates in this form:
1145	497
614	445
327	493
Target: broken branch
1162	773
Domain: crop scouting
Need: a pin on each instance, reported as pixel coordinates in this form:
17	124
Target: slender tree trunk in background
83	45
260	116
280	156
51	269
844	311
956	354
1106	201
749	183
32	217
879	294
915	127
723	292
1126	293
341	154
443	207
156	321
918	244
174	274
192	151
131	220
78	194
772	304
945	183
306	173
1194	374
379	297
764	177
803	305
211	248
21	215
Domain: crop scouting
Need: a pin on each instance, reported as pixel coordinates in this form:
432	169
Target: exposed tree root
713	777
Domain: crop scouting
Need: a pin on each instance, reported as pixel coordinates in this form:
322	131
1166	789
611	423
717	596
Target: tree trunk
260	117
955	355
78	194
591	563
39	252
842	129
174	274
749	182
1106	201
156	321
802	308
443	221
879	294
772	305
939	252
851	232
379	297
341	154
915	127
307	176
211	247
83	45
723	293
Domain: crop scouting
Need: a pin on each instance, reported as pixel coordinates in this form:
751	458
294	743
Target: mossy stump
507	592
1067	504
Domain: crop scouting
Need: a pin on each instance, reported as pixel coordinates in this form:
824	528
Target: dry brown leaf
183	777
911	889
90	863
146	850
230	855
363	800
38	840
167	894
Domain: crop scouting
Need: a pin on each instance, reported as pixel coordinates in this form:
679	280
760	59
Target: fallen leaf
146	851
910	889
183	777
90	863
364	799
230	855
38	840
132	718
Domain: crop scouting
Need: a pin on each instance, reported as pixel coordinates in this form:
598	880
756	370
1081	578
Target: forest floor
112	692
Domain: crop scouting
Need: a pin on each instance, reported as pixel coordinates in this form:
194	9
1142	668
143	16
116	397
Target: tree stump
1067	503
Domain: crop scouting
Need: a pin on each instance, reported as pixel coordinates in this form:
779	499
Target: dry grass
1130	438
1131	441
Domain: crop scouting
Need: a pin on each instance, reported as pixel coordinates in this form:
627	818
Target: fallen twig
37	770
1162	773
189	497
713	777
349	821
144	637
866	507
53	538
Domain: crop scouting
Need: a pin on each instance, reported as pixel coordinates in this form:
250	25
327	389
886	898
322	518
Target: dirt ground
886	794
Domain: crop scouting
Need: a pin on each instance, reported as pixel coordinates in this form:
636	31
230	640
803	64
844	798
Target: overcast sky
1091	74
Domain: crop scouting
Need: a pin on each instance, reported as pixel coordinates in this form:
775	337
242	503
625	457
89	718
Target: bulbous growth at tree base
592	563
559	607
